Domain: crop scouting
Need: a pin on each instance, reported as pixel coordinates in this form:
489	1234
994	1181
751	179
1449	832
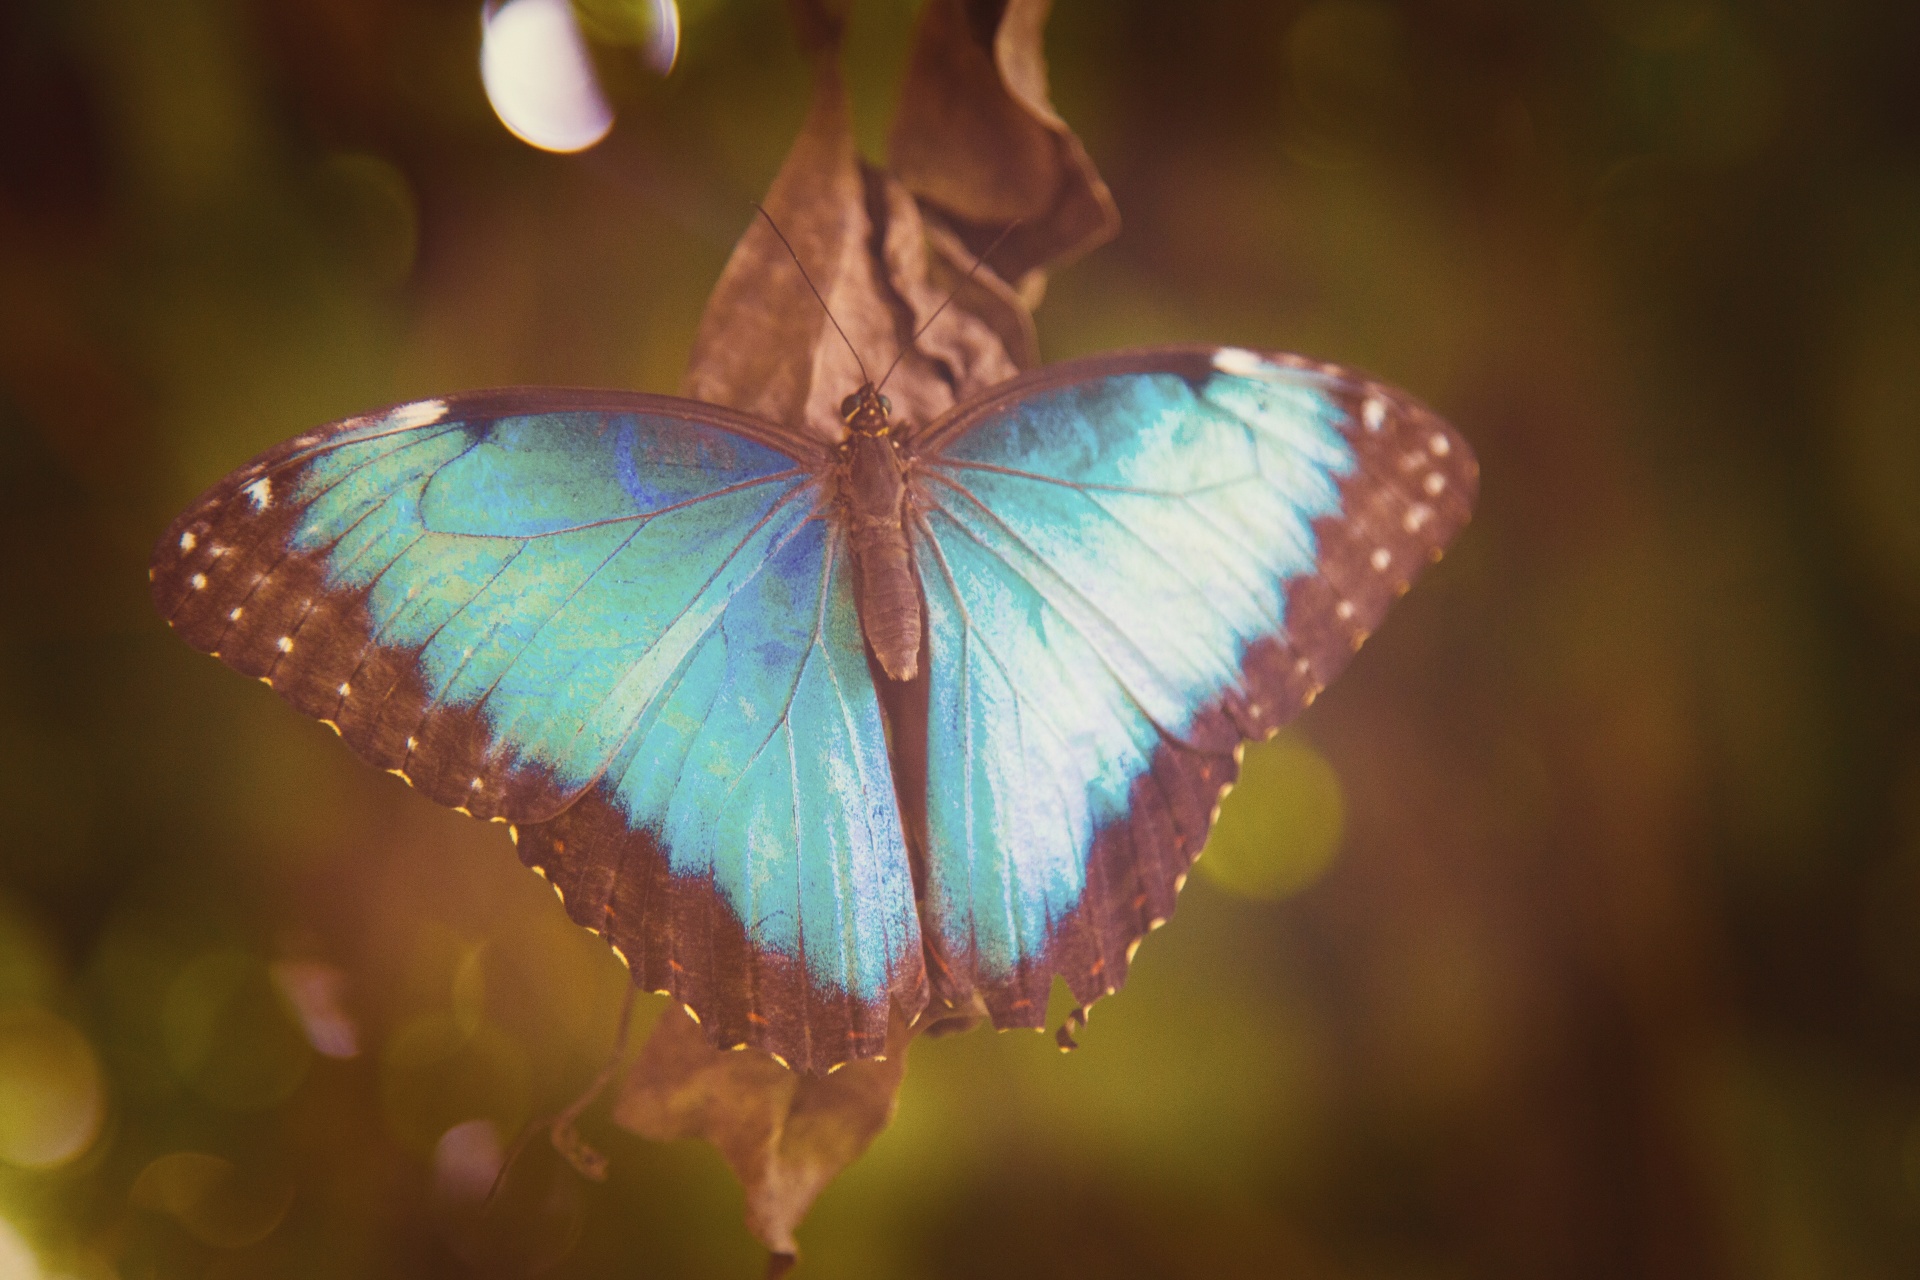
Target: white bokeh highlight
662	48
539	76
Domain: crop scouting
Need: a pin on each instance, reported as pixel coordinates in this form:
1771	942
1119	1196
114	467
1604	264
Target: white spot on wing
1434	483
346	690
234	616
1381	559
1439	446
199	581
261	491
418	414
188	541
1343	610
1416	518
286	644
1241	363
1374	413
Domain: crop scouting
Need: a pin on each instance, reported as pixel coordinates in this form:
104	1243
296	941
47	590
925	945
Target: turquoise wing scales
1132	565
760	768
622	624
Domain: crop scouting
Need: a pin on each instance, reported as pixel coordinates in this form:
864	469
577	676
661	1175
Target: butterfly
808	732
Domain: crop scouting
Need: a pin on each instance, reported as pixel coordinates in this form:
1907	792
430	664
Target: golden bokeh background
1575	933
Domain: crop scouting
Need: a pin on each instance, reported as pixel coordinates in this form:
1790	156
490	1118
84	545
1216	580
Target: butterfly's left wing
1132	564
621	623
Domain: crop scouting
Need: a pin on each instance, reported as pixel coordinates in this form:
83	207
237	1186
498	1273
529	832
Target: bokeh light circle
436	1073
230	1035
17	1261
539	75
216	1202
1282	825
52	1098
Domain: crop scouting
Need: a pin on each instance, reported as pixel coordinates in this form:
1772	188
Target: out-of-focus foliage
1615	967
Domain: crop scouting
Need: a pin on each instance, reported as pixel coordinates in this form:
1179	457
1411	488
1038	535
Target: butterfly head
866	411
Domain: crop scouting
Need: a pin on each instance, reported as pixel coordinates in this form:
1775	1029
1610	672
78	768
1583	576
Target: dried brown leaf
764	344
977	149
785	1134
977	142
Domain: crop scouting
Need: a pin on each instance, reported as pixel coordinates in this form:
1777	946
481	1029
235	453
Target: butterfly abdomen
874	488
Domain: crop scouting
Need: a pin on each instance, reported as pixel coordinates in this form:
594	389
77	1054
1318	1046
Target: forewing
480	593
1132	565
604	618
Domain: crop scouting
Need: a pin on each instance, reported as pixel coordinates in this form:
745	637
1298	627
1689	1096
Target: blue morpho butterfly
809	732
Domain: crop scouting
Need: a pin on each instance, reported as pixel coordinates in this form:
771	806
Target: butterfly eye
886	405
848	405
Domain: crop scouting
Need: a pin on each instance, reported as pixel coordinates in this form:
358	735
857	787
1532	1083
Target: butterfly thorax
873	500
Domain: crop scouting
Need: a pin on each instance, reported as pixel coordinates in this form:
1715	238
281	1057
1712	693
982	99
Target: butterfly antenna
864	375
972	271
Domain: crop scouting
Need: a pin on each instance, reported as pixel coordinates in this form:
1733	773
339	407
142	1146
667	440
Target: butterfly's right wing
619	623
1133	563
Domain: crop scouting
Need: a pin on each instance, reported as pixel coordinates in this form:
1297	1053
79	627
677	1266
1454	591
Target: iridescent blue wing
620	623
1132	564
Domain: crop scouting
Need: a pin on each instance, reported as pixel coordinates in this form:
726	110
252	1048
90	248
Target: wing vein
697	595
938	464
1132	695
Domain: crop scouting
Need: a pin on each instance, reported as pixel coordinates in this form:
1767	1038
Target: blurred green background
1575	933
